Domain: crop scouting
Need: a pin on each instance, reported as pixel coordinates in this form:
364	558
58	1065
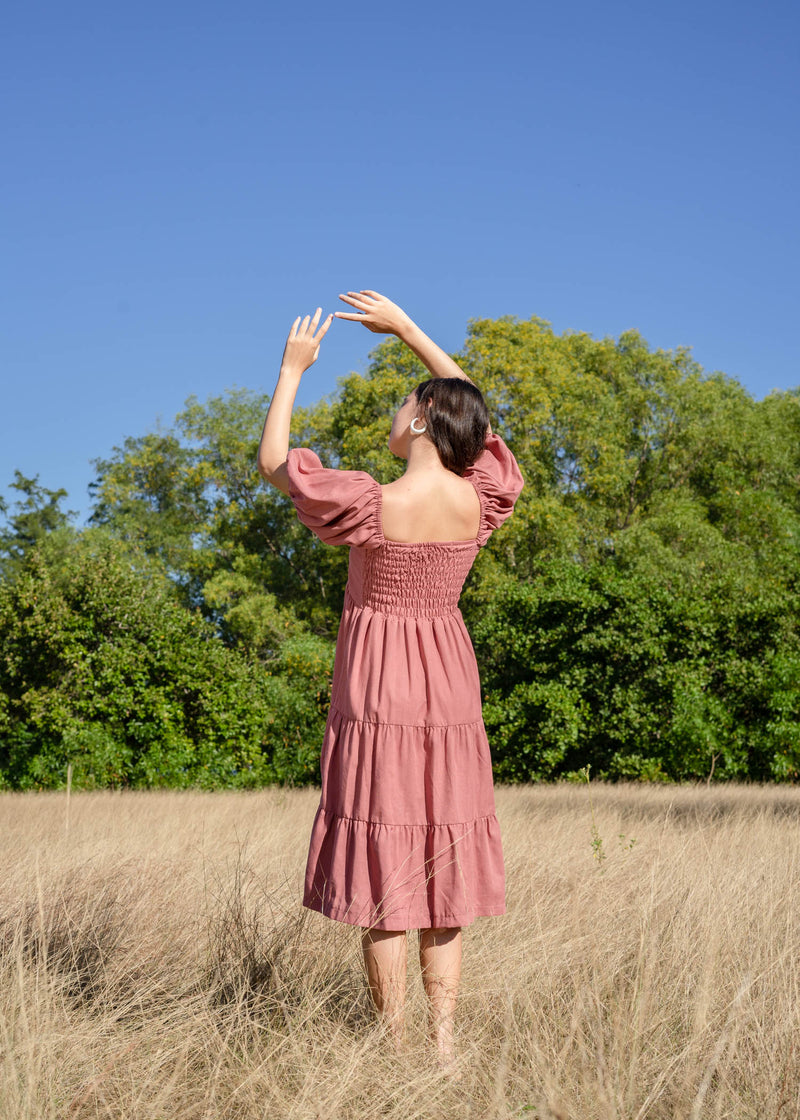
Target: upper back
349	507
430	509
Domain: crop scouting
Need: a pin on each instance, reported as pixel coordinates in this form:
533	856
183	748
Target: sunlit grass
156	963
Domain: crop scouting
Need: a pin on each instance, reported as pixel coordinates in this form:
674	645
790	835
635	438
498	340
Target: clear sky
181	179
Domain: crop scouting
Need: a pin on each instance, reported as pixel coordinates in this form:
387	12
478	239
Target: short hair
457	419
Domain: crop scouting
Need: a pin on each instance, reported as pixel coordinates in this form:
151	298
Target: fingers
306	330
355	300
301	325
308	327
323	330
363	301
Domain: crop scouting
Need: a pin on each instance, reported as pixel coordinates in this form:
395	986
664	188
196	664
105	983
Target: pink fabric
406	835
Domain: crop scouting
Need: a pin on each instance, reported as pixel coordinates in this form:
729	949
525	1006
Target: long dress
406	835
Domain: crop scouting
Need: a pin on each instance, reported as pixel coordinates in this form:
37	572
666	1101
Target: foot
393	1031
446	1057
450	1065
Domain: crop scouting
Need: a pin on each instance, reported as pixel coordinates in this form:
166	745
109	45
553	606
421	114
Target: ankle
441	1036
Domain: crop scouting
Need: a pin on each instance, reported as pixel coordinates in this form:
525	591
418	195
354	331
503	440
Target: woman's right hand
302	345
376	312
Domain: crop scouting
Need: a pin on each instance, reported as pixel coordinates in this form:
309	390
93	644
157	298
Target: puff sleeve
496	477
340	507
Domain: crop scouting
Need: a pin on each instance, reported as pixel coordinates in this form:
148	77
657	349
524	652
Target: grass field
156	964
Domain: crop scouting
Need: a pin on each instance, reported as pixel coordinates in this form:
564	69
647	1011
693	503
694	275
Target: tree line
639	613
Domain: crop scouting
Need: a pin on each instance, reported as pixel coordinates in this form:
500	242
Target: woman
406	835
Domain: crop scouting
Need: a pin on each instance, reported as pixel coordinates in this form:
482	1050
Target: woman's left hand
377	313
302	345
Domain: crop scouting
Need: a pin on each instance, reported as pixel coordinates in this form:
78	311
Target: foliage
193	498
101	666
36	513
639	613
588	665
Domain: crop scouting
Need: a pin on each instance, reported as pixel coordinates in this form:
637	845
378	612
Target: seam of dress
385	723
424	824
353	605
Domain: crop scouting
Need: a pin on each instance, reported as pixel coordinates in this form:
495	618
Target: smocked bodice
417	580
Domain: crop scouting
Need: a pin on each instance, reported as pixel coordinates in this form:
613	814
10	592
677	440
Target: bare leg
440	960
385	960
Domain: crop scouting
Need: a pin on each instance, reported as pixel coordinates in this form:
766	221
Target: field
155	964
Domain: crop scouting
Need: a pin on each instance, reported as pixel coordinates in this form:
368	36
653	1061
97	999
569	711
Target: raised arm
302	347
380	315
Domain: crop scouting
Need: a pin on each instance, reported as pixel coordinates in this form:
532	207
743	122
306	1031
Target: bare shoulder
444	509
447	486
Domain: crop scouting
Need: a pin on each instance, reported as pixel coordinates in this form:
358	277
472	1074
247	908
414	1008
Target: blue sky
180	180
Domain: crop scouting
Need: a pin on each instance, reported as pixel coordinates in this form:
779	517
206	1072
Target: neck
423	457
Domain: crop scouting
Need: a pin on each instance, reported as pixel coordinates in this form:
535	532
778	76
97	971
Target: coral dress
406	835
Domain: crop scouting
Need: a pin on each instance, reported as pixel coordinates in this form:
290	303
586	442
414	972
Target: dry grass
156	964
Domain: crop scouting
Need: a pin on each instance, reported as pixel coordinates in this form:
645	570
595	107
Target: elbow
267	463
267	470
275	473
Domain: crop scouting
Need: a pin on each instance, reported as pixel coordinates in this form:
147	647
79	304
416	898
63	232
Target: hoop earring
418	431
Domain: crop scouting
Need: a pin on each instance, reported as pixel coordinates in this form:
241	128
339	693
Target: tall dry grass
155	964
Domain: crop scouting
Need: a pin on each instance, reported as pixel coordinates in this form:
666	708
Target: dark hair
457	419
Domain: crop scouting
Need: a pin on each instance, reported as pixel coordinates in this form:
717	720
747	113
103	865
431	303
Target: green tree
102	667
35	514
639	611
591	664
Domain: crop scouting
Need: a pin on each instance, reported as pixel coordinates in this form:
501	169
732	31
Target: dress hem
395	924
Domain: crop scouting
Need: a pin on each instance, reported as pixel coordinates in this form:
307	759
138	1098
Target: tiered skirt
406	835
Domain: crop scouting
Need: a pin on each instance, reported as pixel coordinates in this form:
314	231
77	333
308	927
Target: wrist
290	373
407	330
